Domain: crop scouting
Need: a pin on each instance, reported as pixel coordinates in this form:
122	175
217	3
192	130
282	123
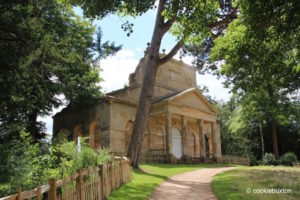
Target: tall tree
46	52
250	113
190	21
253	62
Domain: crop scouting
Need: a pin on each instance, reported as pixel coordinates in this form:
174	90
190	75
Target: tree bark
32	118
274	138
273	123
262	140
147	89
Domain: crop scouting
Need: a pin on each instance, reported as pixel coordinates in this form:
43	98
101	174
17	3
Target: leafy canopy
47	54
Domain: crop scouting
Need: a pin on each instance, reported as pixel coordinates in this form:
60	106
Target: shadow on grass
234	184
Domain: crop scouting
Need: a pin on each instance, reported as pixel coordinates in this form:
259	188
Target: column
213	137
184	135
169	133
218	140
202	139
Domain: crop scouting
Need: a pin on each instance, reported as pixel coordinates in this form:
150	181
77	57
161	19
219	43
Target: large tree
191	21
254	63
46	54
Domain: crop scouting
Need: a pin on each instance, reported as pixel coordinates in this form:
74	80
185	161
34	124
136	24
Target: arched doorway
176	143
207	146
160	139
128	133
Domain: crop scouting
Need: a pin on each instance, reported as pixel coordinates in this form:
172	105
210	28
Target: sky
115	69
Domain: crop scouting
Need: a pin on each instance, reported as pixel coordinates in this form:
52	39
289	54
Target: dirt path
188	186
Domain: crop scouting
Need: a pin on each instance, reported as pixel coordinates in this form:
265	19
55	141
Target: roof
176	95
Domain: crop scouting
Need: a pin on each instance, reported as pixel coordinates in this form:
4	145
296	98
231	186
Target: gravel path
188	186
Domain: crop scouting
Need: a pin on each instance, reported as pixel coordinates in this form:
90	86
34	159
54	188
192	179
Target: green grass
143	183
234	184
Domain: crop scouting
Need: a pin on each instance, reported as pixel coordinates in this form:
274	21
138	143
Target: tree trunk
262	141
32	125
274	138
142	115
273	124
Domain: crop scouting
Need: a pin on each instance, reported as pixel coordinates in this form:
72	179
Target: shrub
29	164
288	159
269	159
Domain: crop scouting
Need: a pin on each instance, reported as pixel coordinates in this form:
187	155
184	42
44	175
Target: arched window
191	141
95	135
159	139
128	133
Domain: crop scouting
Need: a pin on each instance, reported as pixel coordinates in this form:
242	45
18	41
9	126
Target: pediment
193	98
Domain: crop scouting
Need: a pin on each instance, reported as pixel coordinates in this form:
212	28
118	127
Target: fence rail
234	160
159	157
88	184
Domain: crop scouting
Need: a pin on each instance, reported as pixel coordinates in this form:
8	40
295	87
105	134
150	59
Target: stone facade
182	122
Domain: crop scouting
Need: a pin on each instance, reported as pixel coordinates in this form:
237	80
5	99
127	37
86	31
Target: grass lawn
143	183
234	184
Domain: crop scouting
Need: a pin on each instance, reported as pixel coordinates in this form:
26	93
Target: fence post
121	172
38	192
52	190
19	193
110	176
65	194
101	181
80	184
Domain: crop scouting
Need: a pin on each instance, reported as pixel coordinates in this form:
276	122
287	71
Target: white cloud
116	69
215	86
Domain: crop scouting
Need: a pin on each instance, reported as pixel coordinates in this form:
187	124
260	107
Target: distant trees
47	54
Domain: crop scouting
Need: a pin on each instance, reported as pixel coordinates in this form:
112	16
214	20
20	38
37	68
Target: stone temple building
182	122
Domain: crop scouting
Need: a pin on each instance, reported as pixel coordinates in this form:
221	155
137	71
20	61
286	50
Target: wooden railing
88	184
237	160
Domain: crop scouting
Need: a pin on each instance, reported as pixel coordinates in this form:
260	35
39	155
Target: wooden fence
234	160
89	184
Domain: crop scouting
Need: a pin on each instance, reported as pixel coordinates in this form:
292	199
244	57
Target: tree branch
225	19
167	25
175	49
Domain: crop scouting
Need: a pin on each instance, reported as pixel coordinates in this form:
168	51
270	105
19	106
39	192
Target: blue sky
116	69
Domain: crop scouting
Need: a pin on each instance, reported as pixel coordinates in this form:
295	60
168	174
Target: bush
269	159
288	159
28	163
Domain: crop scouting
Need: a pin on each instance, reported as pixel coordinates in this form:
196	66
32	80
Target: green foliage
47	55
20	161
259	62
288	159
269	159
28	163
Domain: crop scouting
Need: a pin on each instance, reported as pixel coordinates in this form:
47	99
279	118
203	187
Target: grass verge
144	182
249	183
